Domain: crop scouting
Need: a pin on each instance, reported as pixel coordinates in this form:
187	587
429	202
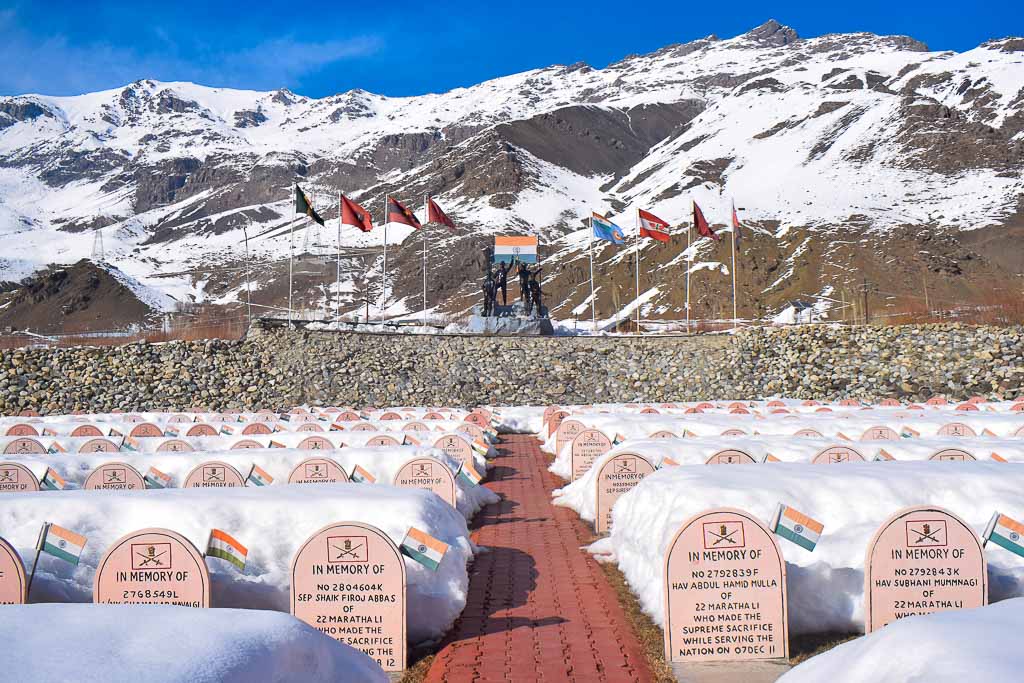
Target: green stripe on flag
1006	543
791	535
60	553
420	557
225	555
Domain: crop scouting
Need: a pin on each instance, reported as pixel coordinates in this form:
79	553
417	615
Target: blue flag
604	229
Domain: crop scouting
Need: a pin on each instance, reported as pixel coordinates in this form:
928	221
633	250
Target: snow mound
976	644
826	587
163	644
271	521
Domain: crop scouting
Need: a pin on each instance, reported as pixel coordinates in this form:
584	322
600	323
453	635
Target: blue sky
398	48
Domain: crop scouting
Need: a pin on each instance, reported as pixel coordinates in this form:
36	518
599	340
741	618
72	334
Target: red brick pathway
539	608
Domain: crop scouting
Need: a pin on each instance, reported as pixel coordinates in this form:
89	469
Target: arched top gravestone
152	567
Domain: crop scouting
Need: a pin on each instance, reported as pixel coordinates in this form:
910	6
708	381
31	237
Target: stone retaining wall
279	368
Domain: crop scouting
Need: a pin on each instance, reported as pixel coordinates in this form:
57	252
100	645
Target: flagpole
35	562
593	310
735	320
384	275
291	260
636	245
689	262
423	228
337	279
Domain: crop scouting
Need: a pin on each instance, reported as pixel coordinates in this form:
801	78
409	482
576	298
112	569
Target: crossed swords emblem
113	476
926	534
214	474
723	535
624	466
7	475
151	556
347	550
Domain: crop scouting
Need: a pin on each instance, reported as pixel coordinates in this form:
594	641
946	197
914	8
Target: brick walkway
539	608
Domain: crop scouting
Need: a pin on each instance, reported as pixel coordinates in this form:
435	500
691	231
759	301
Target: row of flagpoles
354	215
650	226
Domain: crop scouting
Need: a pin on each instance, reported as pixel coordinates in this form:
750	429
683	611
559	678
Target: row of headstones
776	405
299	415
421	473
348	581
568	430
622	472
453	445
725	581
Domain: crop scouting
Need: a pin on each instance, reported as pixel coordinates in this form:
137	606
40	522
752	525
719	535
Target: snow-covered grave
981	644
164	644
382	463
273	522
826	586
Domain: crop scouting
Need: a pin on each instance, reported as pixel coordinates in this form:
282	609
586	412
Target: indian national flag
987	432
409	441
998	458
480	447
1006	532
278	427
61	543
114	432
171	430
619	438
130	444
667	462
52	481
883	455
844	437
225	547
771	458
908	433
259	476
227	430
277	444
361	476
55	448
468	474
518	248
47	431
335	427
424	548
155	479
796	527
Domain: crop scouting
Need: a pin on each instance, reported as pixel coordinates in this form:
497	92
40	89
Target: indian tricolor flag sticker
259	476
424	548
225	547
62	543
1006	532
796	527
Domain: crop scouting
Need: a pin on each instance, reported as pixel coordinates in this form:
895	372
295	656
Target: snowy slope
813	133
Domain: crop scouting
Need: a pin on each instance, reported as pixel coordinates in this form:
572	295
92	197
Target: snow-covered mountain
852	157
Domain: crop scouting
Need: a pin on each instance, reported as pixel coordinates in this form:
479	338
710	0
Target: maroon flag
736	225
436	215
700	224
355	215
397	213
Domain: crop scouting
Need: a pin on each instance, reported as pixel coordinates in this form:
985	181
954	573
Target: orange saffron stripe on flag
801	518
68	535
1010	523
221	536
514	241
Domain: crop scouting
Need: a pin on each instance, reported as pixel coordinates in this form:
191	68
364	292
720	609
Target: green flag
303	206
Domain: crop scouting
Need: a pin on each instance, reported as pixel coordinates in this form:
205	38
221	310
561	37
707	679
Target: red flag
653	227
436	215
397	213
355	215
736	226
701	224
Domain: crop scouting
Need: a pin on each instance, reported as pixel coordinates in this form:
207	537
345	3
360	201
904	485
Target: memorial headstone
382	441
201	429
175	446
245	444
24	446
730	456
152	567
317	471
725	590
145	430
22	429
920	561
809	433
98	446
662	434
214	474
12	576
115	476
567	431
586	447
86	430
734	432
430	475
309	427
316	443
617	477
472	430
879	434
953	454
455	447
348	582
956	429
15	478
837	454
